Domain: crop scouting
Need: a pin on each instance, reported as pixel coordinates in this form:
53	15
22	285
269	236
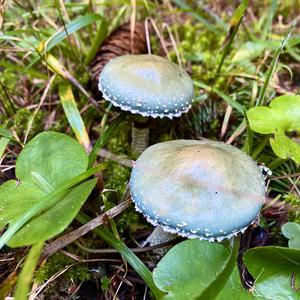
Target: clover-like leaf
276	271
36	204
191	269
281	117
291	230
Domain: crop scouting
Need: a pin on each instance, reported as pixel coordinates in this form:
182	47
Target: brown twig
68	238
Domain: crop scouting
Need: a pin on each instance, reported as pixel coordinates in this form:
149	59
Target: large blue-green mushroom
147	85
198	189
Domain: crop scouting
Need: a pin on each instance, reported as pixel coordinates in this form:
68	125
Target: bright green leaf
15	199
285	147
54	220
54	156
280	117
5	132
189	268
48	166
291	230
73	115
233	289
276	271
3	143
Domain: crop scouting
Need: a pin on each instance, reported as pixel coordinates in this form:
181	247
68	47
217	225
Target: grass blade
268	24
73	116
130	257
4	140
226	98
69	29
235	23
104	138
56	67
272	67
216	286
97	41
3	144
26	275
184	6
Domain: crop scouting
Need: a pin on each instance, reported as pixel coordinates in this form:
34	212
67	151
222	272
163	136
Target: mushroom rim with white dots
158	215
147	86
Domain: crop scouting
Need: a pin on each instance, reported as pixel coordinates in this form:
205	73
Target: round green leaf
276	271
54	220
189	268
234	290
291	230
46	166
263	120
281	117
15	199
54	156
285	147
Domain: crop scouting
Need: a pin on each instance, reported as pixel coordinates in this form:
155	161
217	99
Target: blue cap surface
203	189
148	85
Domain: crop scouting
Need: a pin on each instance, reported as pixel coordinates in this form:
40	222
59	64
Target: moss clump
58	262
294	210
22	120
119	142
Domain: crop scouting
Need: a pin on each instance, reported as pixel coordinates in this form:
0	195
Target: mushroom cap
198	189
148	85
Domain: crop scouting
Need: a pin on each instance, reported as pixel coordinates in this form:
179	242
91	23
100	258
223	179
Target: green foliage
26	275
4	140
280	118
291	231
21	121
105	282
71	34
47	162
72	113
275	270
197	269
294	211
117	178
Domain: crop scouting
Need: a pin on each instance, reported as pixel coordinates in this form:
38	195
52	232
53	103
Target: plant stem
276	163
260	147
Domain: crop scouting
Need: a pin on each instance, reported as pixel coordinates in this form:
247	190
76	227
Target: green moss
119	142
22	120
58	262
116	179
294	207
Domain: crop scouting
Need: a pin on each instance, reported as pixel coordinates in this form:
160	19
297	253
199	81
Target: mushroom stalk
140	134
140	138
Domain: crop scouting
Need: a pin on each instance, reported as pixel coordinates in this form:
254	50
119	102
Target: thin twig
68	238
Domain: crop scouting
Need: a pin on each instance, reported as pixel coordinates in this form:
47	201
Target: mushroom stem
140	134
159	236
140	139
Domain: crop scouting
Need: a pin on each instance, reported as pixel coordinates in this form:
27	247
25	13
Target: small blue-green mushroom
148	85
198	189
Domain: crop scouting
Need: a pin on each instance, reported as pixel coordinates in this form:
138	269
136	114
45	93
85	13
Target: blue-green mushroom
198	189
147	85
